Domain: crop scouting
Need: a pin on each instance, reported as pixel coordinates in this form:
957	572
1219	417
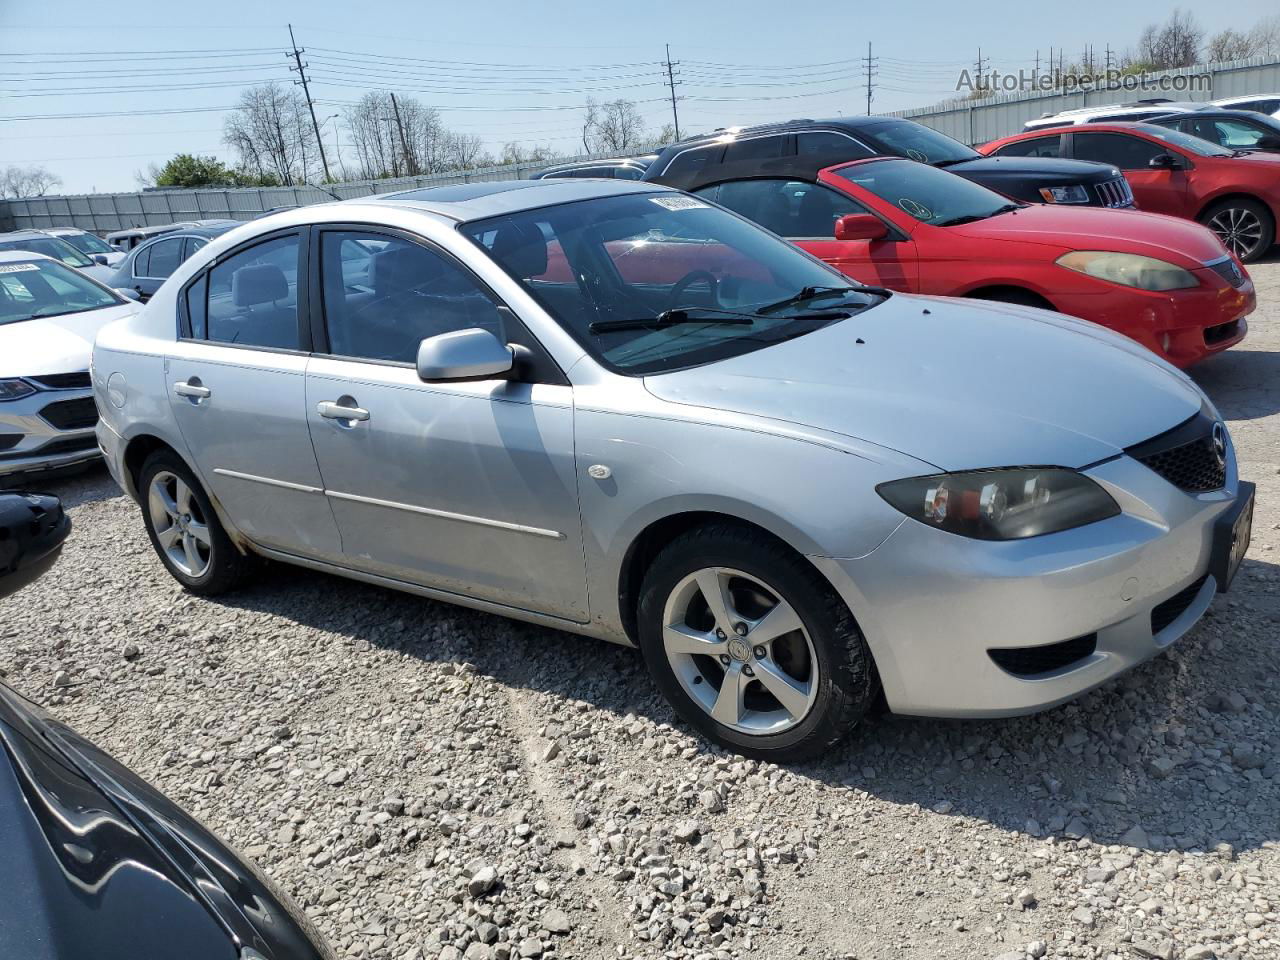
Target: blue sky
501	70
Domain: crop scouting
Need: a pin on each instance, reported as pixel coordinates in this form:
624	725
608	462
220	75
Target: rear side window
831	146
165	255
1117	149
142	262
1037	147
252	297
755	148
691	161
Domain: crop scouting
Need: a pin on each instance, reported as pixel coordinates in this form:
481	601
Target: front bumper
41	444
931	605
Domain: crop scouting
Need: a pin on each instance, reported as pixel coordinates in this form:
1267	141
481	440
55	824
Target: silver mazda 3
621	411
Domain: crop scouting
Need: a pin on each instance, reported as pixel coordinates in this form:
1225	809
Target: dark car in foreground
96	862
1032	178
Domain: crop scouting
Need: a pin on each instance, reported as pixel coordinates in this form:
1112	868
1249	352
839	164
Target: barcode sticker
18	267
678	203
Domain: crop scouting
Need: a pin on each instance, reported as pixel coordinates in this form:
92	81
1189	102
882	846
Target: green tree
187	170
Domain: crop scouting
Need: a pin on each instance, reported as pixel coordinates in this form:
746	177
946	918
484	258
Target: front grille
65	445
63	381
1115	193
74	414
1229	271
1187	456
1220	332
1031	661
1169	611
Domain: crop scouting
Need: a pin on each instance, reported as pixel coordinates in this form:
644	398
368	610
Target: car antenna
316	186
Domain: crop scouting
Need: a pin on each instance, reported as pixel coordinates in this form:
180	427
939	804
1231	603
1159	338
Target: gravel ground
431	783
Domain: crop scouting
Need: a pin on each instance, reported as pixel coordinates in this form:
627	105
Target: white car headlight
15	390
1129	269
1007	504
1071	193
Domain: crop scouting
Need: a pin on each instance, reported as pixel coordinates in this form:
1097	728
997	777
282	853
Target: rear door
806	213
1156	189
237	387
155	262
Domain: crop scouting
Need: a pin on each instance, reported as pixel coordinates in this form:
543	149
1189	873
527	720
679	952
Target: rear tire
1023	298
801	681
184	529
1246	226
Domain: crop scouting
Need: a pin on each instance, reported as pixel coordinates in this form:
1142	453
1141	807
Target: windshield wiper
975	217
951	162
675	317
815	293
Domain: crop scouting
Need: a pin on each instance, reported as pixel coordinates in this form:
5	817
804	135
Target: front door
1156	189
468	487
237	389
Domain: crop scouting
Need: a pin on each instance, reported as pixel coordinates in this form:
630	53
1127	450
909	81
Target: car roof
24	235
1223	113
476	201
60	231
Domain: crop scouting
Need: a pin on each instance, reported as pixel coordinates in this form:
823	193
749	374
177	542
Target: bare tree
19	182
465	151
272	135
397	136
1175	43
1231	45
1266	37
590	120
618	127
513	152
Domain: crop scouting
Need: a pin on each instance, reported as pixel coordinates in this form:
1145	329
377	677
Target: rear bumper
40	445
932	605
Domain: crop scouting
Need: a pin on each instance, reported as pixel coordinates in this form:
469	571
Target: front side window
1034	147
902	138
384	295
650	282
54	247
161	259
252	296
790	208
1117	149
831	147
926	193
1231	134
42	288
754	148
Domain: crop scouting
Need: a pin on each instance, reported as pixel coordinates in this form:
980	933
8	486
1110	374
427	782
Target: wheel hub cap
739	650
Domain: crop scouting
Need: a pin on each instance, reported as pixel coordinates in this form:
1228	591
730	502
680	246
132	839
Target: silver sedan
621	411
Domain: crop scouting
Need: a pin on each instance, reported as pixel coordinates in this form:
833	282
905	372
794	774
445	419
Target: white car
49	316
1134	112
1268	103
37	241
91	245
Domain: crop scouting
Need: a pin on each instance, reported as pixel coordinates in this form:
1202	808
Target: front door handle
192	389
340	411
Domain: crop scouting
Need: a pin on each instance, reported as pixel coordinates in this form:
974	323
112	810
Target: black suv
749	152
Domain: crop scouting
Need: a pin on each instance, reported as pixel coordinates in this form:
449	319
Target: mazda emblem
1220	443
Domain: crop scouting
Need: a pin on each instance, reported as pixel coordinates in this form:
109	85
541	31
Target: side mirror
472	354
100	259
128	293
33	527
1165	161
1268	143
860	226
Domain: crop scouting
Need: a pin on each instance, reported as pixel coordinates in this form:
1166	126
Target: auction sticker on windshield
678	203
18	267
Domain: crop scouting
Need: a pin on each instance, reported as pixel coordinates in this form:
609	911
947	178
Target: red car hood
1183	242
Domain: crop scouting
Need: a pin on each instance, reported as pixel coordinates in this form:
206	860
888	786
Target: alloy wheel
1238	228
740	651
180	526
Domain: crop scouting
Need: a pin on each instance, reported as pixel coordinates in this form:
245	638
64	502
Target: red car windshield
926	193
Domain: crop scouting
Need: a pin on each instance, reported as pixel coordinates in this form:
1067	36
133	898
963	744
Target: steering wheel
689	279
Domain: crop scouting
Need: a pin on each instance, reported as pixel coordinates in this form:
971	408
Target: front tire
1245	226
751	645
184	529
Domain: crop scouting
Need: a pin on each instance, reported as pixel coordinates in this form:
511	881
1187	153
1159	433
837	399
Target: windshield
694	274
51	247
926	193
87	243
902	138
1185	141
42	288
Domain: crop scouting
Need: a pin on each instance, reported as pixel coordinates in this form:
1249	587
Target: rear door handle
337	411
193	390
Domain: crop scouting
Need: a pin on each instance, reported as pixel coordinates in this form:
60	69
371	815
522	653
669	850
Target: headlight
1001	504
1130	269
1072	193
15	390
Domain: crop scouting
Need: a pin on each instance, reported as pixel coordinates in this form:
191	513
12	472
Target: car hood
1047	170
1185	242
99	272
32	348
958	384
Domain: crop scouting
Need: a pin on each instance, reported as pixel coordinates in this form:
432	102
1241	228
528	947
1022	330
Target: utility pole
300	67
980	70
410	164
870	60
671	82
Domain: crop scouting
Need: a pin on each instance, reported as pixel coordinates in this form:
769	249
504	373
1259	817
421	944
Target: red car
1234	192
1167	283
